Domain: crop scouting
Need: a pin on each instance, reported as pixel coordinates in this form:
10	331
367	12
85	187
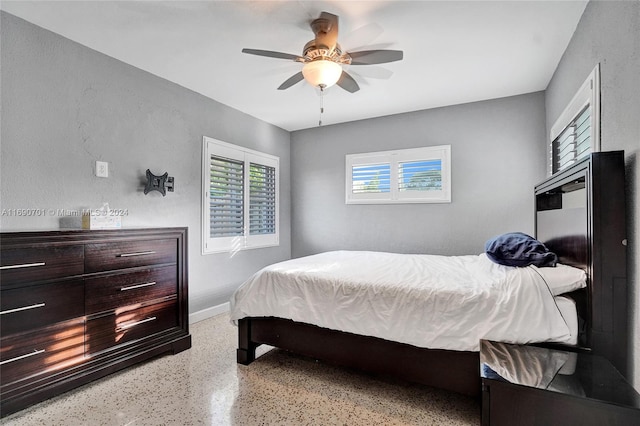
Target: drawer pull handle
132	287
133	324
24	308
140	253
35	352
24	265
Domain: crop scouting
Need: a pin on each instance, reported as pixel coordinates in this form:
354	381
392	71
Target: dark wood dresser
78	305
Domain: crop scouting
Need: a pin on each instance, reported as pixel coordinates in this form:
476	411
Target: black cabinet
528	385
581	216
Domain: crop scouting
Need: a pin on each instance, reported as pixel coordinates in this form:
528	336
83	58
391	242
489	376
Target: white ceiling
454	52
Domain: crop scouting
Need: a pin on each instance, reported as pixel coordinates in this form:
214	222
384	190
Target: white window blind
574	143
240	201
371	178
262	199
417	175
576	133
226	197
420	175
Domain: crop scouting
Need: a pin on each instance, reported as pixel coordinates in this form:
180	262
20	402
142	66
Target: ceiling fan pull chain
321	103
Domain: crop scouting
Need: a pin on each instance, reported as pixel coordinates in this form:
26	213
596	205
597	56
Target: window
576	134
240	198
419	175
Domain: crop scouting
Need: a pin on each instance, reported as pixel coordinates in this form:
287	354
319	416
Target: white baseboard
209	312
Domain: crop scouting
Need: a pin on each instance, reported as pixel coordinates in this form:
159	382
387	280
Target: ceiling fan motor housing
314	52
325	38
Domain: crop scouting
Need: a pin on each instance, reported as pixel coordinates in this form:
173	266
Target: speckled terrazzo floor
205	386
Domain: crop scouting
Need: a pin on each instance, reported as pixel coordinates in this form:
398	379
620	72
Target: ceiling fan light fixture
322	58
322	73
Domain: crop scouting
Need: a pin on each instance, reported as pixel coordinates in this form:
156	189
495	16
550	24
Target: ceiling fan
323	57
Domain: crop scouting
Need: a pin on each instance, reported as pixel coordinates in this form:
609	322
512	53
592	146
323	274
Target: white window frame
587	95
394	158
234	244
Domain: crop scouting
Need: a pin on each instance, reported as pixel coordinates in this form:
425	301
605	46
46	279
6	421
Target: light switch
102	169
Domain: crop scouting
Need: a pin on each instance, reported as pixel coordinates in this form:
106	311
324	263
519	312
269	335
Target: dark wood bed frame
591	236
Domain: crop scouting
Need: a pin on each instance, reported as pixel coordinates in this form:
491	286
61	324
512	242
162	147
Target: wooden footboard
444	369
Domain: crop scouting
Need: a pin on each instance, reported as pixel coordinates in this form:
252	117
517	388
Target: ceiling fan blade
272	54
291	81
369	57
348	83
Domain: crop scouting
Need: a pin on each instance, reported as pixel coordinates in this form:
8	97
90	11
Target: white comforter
445	302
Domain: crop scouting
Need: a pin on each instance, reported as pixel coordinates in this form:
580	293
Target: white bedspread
445	302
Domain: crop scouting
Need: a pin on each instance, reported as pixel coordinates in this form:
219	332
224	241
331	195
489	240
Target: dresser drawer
32	264
43	351
128	254
30	307
113	291
128	324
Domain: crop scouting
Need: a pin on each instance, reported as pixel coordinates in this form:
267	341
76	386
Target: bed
570	221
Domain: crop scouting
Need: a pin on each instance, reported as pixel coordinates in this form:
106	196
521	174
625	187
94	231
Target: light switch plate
102	169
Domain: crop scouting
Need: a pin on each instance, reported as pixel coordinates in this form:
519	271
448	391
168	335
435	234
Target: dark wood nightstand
529	385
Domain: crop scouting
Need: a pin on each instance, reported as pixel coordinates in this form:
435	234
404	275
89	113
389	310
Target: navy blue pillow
519	249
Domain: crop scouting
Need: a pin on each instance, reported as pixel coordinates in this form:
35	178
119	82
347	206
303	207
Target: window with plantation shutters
226	197
417	175
576	133
421	175
574	143
371	178
262	199
240	198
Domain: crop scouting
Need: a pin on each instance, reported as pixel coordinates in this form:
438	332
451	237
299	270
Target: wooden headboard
580	215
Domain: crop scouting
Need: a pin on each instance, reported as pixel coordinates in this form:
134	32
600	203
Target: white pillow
563	278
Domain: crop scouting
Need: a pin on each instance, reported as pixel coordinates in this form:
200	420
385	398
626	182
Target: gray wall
498	155
609	34
64	106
